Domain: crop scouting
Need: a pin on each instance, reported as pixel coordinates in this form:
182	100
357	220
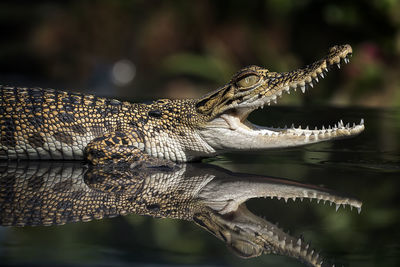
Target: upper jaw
273	85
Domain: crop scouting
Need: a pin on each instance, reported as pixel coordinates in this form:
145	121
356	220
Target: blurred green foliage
187	48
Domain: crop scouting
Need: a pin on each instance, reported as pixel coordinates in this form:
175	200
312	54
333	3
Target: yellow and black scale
48	124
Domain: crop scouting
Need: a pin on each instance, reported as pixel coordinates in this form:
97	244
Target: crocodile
48	124
59	192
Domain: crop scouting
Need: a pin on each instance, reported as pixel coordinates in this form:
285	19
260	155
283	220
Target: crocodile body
54	193
49	124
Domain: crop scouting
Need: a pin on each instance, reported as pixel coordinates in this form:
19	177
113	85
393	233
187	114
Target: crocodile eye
247	81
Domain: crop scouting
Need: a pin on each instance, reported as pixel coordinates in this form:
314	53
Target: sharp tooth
362	122
347	125
303	88
337	207
275	101
307	128
322	75
338	65
311	84
359	210
323	127
326	69
316	79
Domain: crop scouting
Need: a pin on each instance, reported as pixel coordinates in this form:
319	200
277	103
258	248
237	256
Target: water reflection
49	193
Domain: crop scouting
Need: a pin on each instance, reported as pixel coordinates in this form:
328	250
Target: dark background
185	48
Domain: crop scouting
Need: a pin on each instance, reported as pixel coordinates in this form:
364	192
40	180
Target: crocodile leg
115	147
118	149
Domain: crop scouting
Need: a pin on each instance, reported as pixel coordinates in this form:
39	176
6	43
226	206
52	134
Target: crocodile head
227	108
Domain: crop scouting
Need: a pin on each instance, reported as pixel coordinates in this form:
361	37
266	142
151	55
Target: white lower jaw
228	133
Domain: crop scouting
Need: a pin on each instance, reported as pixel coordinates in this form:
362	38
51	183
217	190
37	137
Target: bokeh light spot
123	72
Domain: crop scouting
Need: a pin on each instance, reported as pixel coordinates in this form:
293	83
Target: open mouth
269	89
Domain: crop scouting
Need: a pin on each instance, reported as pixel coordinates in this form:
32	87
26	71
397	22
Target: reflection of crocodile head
44	193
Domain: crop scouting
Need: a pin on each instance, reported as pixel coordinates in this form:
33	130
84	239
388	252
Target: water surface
366	167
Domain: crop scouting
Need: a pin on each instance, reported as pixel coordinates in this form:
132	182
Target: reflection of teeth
318	197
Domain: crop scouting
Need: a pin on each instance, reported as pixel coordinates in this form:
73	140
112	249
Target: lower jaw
245	136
